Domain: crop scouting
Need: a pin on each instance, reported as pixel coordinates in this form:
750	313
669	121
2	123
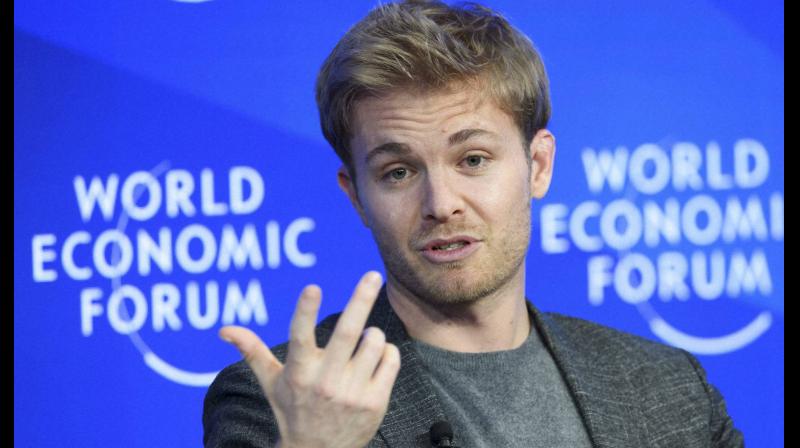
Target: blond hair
428	45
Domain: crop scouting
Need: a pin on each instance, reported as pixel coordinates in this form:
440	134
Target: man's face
445	186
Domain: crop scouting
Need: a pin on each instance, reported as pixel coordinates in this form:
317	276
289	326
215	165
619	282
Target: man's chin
455	283
452	291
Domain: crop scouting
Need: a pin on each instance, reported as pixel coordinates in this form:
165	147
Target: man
439	115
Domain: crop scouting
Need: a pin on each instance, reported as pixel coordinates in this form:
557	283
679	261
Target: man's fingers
302	341
266	367
386	373
369	354
351	323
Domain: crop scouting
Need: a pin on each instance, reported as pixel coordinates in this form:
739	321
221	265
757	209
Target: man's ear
347	184
543	152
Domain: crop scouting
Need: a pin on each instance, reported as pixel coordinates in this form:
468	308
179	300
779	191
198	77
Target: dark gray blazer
630	392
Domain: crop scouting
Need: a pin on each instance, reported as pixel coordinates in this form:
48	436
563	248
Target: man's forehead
380	119
423	99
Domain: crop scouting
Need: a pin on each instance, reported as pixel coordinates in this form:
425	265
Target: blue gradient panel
170	177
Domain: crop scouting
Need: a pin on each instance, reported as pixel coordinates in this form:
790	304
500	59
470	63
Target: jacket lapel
413	406
602	392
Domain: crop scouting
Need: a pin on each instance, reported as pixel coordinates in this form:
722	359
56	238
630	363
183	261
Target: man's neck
495	322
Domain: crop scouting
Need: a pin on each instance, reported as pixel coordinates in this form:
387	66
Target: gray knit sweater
510	398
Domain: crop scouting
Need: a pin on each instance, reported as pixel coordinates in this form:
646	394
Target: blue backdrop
170	177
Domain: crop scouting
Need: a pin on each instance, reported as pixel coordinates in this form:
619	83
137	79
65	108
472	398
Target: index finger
352	321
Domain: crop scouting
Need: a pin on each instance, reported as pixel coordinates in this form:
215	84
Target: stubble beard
464	282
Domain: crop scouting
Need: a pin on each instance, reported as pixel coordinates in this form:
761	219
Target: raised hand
329	397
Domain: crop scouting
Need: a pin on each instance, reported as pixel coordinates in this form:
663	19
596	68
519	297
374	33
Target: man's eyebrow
465	134
389	148
401	149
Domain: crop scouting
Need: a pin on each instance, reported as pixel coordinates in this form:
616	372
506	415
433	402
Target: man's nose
442	200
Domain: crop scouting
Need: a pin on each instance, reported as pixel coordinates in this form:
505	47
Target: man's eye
474	161
398	173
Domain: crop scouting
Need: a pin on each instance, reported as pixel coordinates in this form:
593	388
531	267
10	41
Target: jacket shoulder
668	384
235	411
612	346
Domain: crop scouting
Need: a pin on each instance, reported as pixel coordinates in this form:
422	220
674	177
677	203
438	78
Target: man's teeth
450	246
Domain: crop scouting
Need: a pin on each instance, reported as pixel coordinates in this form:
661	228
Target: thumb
264	364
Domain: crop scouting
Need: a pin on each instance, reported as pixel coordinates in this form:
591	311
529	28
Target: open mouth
450	246
451	250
